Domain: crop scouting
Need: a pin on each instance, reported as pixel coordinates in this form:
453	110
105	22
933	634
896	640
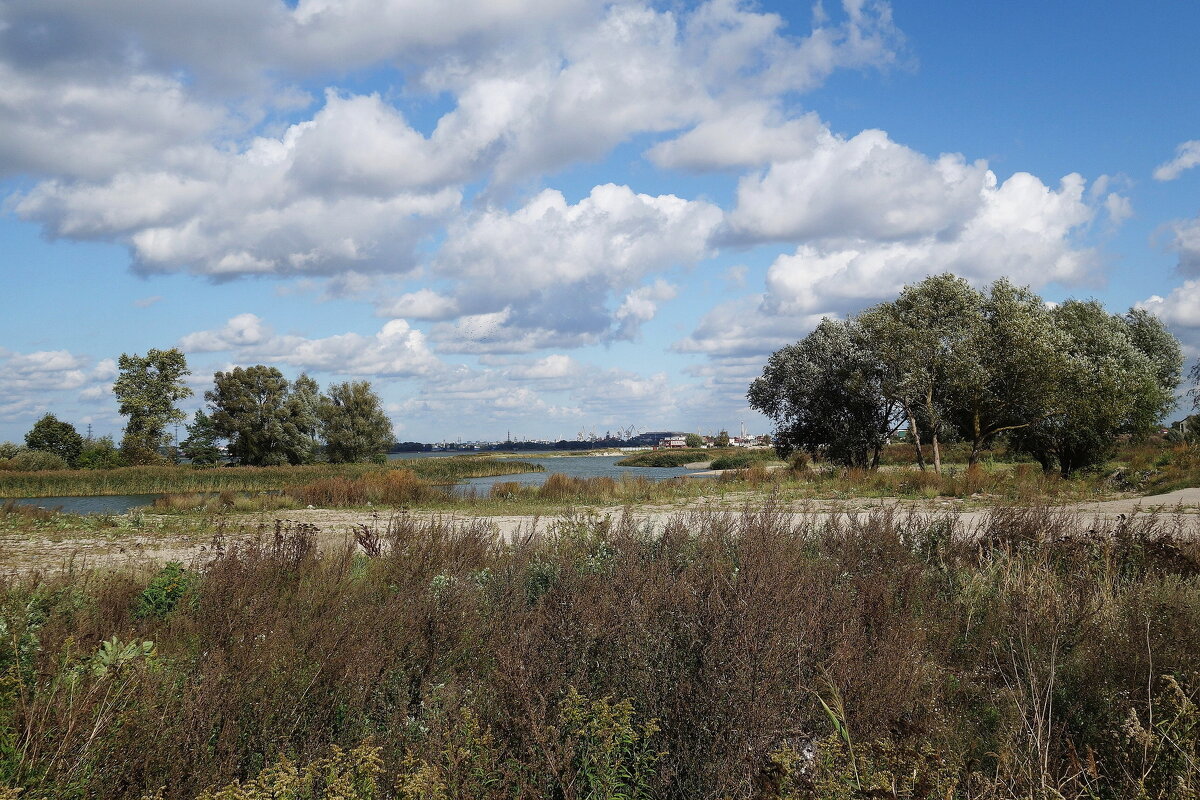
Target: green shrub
34	461
743	459
100	453
666	458
164	592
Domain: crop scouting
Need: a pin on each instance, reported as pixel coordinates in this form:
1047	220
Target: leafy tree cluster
945	360
268	420
265	419
54	444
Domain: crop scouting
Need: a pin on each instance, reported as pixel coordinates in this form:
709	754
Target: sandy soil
148	546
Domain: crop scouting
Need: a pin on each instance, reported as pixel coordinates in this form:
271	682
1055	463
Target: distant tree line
254	416
945	361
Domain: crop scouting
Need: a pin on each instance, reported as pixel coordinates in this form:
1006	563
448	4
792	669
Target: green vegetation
743	457
744	655
730	457
168	478
266	420
353	423
1061	384
50	435
147	389
203	443
675	457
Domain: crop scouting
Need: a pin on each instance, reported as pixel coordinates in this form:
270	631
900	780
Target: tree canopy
353	423
267	420
51	435
147	388
1061	383
825	393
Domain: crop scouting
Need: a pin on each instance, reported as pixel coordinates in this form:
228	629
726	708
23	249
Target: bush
100	453
742	459
34	461
164	592
761	654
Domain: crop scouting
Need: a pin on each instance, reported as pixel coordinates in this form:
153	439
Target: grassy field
733	656
162	479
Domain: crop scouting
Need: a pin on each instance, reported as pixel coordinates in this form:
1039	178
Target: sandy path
148	547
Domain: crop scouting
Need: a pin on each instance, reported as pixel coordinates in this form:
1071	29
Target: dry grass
702	661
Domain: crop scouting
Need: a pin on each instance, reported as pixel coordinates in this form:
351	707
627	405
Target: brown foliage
741	636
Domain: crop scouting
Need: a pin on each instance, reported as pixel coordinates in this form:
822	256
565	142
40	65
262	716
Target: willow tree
825	395
926	339
353	423
1008	375
266	420
1111	387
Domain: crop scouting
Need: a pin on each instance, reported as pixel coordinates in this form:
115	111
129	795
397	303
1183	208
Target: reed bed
179	479
739	656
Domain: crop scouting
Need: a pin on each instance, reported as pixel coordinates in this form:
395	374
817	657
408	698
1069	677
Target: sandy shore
27	552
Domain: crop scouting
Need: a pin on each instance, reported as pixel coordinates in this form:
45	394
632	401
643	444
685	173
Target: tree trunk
875	458
976	440
937	450
916	435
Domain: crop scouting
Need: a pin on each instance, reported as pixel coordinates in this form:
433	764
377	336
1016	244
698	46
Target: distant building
678	440
655	438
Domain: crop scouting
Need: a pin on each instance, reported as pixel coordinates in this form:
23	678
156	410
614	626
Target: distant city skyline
548	216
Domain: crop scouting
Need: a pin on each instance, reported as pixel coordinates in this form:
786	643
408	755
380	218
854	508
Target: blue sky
547	216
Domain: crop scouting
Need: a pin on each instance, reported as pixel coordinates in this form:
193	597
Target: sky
540	217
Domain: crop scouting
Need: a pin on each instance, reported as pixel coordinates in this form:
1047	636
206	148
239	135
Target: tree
1150	336
100	453
824	394
694	440
147	388
266	420
353	423
1112	387
203	443
304	415
922	341
1007	377
51	435
722	439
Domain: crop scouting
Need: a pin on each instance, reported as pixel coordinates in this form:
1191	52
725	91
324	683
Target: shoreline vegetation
1149	469
182	478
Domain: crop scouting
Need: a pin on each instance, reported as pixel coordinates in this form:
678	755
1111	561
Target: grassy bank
745	656
677	457
162	479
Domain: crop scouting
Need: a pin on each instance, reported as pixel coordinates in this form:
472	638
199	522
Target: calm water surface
575	466
108	504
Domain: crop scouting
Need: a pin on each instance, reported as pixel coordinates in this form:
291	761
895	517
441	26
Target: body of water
576	467
106	504
449	454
